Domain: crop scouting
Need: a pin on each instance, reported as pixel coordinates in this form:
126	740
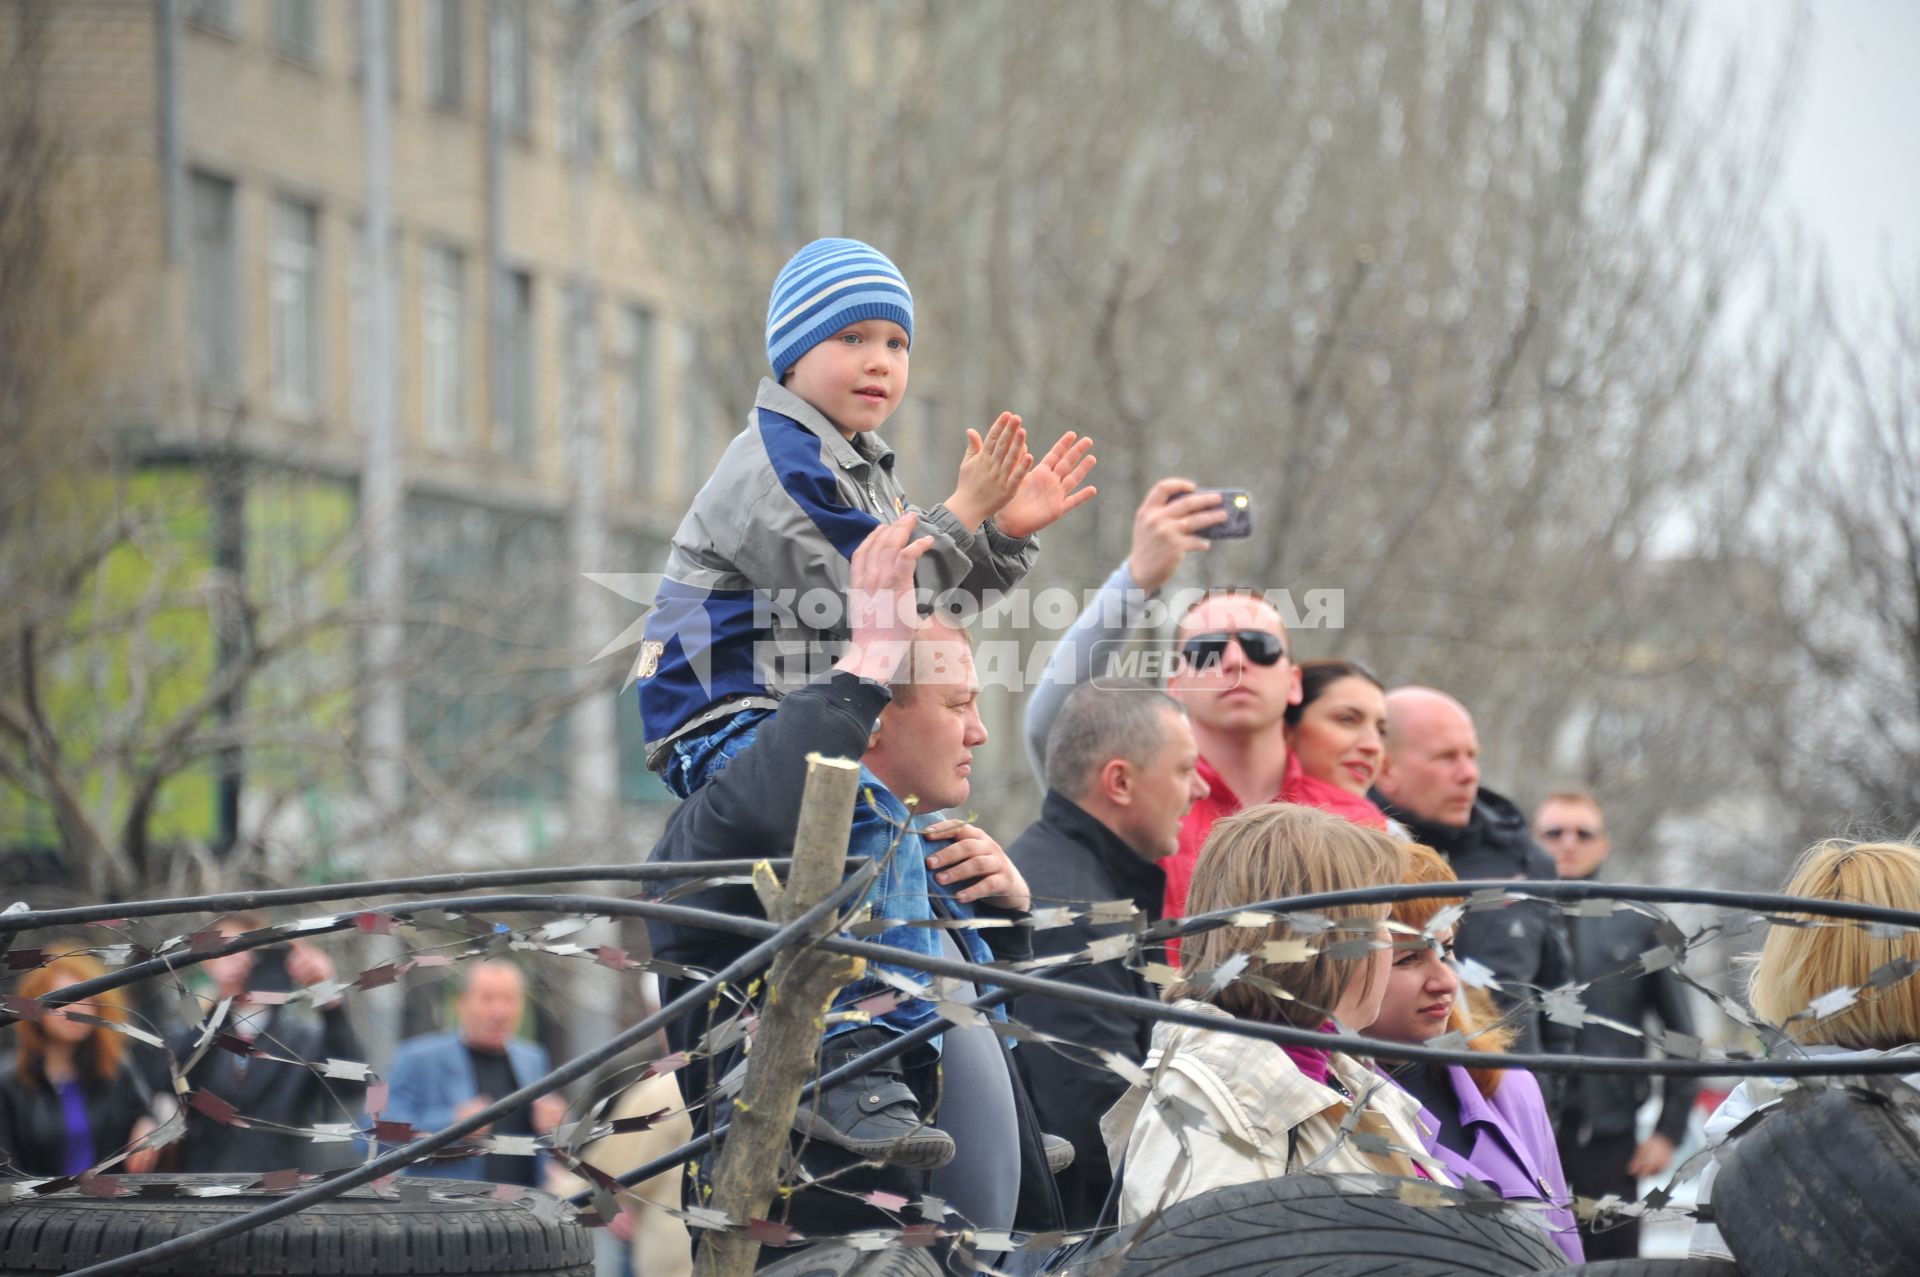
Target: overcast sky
1852	172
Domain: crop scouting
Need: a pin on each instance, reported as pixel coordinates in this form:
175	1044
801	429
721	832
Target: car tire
836	1260
1831	1185
1650	1268
1333	1226
460	1227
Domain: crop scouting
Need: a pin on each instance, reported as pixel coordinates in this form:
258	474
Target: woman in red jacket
1335	740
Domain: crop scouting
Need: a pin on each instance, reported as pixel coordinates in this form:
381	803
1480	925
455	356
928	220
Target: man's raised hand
1166	530
882	612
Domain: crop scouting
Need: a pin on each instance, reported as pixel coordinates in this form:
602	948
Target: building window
575	122
688	123
634	159
512	91
442	353
696	402
296	30
445	44
633	347
214	290
513	366
746	147
215	15
293	306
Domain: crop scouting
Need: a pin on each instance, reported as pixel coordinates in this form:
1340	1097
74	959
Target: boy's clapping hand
1050	489
990	472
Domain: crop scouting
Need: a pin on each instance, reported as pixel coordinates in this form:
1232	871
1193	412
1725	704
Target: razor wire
1139	946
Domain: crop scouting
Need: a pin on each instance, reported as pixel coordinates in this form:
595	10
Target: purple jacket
1513	1147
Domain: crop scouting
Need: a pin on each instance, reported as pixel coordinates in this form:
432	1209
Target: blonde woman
1224	1109
1799	964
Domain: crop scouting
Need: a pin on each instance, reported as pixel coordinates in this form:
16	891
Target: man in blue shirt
441	1078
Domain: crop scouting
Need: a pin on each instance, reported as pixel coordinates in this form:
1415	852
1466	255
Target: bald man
1430	782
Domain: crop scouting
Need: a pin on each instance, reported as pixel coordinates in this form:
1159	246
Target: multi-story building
215	174
229	139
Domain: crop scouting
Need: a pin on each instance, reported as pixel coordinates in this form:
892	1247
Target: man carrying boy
764	550
902	700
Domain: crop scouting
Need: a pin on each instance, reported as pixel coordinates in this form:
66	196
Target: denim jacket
904	894
748	809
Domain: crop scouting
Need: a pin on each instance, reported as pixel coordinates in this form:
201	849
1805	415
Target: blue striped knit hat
829	284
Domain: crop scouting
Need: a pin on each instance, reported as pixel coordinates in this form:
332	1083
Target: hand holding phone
1238	504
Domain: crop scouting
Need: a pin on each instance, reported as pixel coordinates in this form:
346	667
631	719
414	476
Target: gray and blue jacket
753	603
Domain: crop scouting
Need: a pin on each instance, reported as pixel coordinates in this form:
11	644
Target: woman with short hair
1799	965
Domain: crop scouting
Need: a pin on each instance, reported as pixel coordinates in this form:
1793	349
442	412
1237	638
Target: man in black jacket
913	726
1430	783
234	1071
1599	1145
1122	769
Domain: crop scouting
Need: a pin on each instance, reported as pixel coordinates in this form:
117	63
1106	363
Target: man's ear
1116	781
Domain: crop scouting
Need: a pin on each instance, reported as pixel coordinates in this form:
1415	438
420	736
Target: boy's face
857	377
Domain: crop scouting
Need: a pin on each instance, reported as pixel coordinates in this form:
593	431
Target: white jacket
1224	1109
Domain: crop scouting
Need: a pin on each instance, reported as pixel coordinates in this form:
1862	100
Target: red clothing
1295	787
1311	791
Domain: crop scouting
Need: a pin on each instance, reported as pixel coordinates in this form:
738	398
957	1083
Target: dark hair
1317	676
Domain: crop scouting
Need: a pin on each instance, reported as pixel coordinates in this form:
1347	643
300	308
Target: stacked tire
1830	1186
1332	1226
1827	1184
455	1226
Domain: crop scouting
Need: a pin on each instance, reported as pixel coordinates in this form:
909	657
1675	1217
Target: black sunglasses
1557	832
1261	647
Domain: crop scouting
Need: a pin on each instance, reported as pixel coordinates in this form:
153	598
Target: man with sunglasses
1233	670
1599	1142
1235	675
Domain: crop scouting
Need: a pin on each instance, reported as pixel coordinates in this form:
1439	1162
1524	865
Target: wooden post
800	987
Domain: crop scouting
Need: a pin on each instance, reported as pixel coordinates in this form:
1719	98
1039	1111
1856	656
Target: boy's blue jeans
883	828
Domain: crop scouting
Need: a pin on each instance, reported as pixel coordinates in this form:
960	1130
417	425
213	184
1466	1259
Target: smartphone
1238	503
269	972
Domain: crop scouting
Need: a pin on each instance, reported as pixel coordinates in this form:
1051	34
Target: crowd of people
1249	775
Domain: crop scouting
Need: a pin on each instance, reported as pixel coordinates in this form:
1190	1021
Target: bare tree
1828	683
1479	300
